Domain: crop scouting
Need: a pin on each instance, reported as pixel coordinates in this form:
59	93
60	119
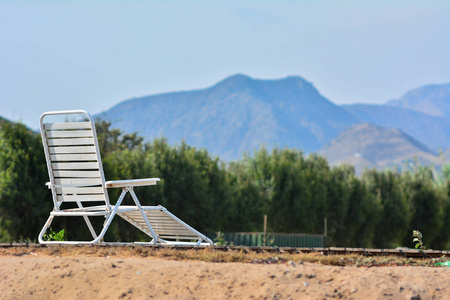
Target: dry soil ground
35	274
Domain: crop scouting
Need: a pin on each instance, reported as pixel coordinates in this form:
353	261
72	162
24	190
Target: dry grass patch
220	255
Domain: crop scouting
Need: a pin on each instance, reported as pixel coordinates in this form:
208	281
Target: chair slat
68	133
168	225
75	166
73	157
72	150
79	190
83	198
68	125
193	237
76	174
78	181
70	142
168	233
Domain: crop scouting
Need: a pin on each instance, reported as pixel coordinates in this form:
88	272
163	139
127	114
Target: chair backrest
73	159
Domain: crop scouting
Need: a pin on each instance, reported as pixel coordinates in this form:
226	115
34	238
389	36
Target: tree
425	204
362	213
251	184
338	197
24	200
393	216
111	139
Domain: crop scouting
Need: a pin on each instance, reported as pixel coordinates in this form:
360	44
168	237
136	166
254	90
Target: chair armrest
131	182
49	185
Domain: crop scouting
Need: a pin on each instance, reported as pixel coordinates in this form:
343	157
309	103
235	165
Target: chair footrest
168	228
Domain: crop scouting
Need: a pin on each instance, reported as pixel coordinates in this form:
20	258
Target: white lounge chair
77	179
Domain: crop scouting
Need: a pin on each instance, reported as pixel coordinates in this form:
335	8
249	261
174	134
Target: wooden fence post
265	231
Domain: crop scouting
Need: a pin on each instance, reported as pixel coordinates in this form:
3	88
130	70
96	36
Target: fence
274	239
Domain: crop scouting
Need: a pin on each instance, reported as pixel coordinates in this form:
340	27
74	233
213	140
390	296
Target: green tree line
296	191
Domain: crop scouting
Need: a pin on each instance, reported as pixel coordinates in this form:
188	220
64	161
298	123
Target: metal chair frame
76	176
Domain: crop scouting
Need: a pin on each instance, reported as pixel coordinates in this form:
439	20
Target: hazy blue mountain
238	114
430	99
367	146
433	131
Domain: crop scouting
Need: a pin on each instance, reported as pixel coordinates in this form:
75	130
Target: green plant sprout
220	239
54	236
418	240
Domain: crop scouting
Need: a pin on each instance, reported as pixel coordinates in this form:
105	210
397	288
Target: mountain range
241	113
236	115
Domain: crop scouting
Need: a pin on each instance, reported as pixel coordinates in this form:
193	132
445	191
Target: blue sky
93	54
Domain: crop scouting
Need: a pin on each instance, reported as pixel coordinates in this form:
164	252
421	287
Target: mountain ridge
245	112
432	99
433	131
370	146
240	113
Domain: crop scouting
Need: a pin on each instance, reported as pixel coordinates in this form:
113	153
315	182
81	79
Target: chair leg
88	222
144	216
44	229
96	240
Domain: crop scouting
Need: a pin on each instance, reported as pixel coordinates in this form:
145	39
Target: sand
41	276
